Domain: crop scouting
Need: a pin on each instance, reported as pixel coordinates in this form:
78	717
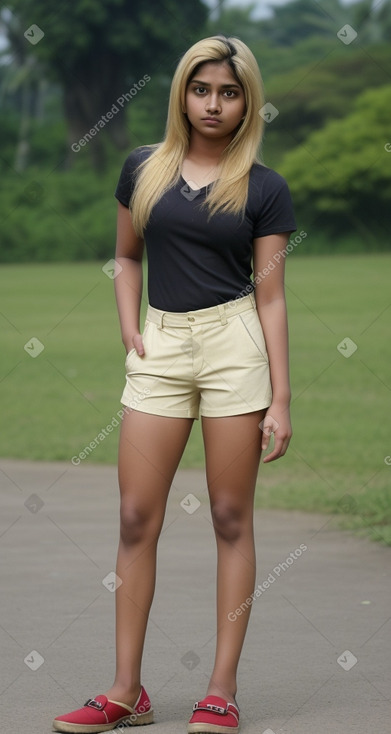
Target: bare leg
150	449
233	451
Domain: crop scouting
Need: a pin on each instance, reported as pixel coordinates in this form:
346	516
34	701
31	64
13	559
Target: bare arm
128	283
271	307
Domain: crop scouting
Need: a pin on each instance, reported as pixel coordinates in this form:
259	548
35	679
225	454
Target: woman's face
215	102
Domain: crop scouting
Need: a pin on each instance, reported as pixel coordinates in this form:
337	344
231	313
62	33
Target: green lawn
56	403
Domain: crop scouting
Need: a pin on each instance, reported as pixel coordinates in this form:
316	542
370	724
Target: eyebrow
206	84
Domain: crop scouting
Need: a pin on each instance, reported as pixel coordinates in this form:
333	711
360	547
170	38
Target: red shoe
102	714
213	715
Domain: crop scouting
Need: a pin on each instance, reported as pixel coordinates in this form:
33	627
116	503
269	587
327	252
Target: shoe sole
211	729
67	726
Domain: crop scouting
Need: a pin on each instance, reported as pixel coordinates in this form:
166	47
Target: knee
228	521
137	523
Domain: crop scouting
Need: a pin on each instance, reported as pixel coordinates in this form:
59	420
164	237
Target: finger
285	446
268	426
138	344
265	440
280	450
277	451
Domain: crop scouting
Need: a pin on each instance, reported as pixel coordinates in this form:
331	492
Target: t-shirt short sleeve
275	212
127	179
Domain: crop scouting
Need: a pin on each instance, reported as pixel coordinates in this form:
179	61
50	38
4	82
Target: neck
206	150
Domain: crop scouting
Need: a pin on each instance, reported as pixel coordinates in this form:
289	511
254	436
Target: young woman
214	344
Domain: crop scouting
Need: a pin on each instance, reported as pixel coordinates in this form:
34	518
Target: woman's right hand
136	342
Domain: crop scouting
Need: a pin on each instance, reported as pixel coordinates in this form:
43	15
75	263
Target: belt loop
160	324
222	313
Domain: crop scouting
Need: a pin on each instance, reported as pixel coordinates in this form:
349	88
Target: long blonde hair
162	169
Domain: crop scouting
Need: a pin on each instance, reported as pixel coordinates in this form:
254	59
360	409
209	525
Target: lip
211	120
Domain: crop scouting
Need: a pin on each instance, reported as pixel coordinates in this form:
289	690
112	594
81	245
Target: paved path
317	654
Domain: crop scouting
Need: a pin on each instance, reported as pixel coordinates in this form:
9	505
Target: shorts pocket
129	355
133	350
252	328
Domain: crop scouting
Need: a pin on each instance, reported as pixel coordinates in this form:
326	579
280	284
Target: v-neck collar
200	189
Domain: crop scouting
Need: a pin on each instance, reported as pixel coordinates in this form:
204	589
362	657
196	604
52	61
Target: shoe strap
100	705
94	704
230	708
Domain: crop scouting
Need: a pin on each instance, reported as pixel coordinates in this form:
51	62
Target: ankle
124	693
223	690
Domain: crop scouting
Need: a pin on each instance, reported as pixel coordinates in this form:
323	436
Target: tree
21	79
307	97
235	20
341	174
301	19
297	20
372	20
103	52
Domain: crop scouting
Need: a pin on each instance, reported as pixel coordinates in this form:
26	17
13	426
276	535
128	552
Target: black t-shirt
195	263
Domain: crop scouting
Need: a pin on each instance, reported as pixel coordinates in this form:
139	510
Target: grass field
54	403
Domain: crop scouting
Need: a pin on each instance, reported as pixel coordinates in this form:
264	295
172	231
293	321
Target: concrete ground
317	653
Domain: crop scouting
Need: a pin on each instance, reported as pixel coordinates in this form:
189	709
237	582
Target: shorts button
190	318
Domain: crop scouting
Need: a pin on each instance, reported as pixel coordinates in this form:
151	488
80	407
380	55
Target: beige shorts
212	362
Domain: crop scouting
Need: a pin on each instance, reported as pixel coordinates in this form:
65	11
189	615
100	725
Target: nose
213	104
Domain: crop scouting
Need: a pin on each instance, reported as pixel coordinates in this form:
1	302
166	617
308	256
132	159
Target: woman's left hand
277	421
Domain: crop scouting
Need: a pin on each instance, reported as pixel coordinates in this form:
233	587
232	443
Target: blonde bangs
162	170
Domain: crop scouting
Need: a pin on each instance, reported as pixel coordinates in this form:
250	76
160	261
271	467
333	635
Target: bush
58	216
340	176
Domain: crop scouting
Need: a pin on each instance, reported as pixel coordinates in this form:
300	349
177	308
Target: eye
199	90
231	93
